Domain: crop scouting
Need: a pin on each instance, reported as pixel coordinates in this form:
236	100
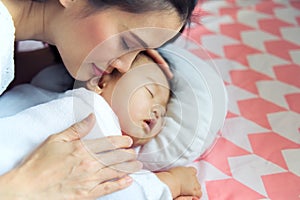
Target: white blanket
22	131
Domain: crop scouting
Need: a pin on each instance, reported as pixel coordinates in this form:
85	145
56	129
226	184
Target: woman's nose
123	63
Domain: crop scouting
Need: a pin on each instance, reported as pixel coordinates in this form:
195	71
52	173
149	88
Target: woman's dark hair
183	7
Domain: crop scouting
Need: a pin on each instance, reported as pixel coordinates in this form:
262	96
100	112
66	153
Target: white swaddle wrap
24	131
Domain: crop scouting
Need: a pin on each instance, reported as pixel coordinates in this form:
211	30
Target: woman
83	31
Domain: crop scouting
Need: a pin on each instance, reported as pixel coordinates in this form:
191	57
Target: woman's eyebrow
138	39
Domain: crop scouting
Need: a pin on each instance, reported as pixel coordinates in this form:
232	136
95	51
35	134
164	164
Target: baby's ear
94	84
67	3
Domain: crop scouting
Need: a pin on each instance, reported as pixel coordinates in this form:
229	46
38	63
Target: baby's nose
158	111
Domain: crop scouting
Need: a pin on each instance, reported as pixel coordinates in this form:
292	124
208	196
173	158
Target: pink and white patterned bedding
256	46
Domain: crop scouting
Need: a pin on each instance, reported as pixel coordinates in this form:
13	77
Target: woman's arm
63	166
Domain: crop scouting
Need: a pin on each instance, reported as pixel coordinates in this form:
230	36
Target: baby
139	98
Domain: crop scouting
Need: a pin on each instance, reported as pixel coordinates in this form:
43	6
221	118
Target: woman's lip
97	71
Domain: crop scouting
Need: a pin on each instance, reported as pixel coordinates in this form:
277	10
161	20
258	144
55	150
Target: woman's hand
161	61
63	168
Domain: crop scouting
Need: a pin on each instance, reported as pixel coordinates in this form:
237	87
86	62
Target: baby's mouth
150	123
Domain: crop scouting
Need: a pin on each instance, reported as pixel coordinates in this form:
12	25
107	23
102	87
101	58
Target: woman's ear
67	3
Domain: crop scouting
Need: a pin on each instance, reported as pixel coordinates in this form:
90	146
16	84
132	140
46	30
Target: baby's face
139	99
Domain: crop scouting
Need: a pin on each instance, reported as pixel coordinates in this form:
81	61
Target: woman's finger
116	171
116	156
78	130
187	198
154	54
128	167
110	186
108	143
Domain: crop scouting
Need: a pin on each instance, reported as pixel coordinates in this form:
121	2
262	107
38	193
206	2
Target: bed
256	48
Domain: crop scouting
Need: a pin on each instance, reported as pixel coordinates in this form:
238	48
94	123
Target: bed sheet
256	47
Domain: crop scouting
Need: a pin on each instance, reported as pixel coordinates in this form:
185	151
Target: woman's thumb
79	130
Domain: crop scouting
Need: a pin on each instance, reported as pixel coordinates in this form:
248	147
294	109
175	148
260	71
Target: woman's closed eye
124	43
129	43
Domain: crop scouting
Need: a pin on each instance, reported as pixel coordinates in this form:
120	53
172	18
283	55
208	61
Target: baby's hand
189	184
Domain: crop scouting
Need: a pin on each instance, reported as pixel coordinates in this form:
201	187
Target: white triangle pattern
295	55
257	38
236	94
248	170
291	34
243	17
287	14
264	63
292	158
225	66
237	130
286	124
274	91
215	43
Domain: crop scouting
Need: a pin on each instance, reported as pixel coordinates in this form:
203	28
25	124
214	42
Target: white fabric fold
7	39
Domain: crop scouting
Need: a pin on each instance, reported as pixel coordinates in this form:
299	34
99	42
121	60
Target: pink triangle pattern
247	79
239	53
298	20
267	7
257	109
218	155
281	48
293	101
273	26
232	11
231	115
275	143
289	74
234	30
197	33
295	4
230	189
282	186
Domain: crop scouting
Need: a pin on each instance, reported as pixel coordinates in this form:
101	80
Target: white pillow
195	113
